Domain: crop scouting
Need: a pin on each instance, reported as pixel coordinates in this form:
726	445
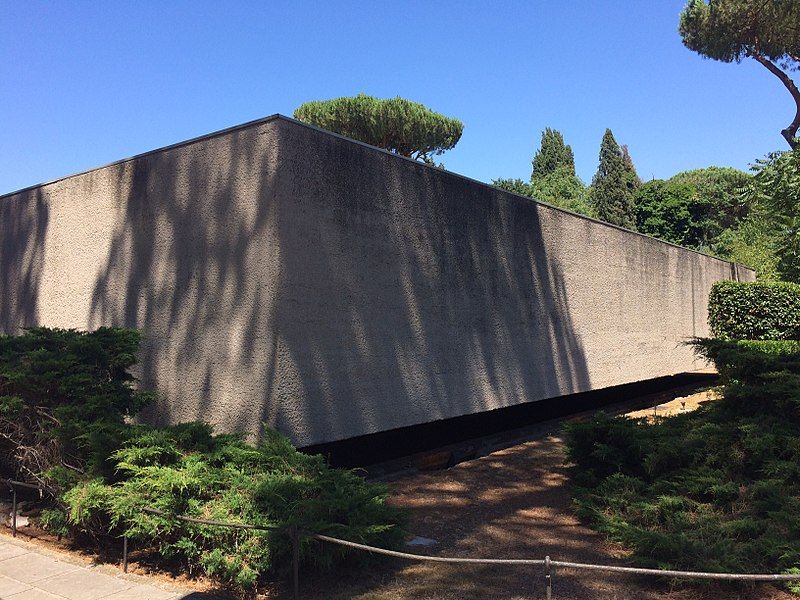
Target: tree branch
790	133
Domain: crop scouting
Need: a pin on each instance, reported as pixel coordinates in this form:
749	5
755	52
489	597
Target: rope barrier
296	535
424	558
561	563
684	574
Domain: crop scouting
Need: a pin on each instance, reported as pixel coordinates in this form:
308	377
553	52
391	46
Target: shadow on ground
511	504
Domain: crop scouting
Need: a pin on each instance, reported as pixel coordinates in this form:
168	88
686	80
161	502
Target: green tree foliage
630	170
64	397
564	189
752	243
553	179
516	186
558	188
611	192
396	124
721	189
775	190
766	31
717	489
692	208
553	156
666	210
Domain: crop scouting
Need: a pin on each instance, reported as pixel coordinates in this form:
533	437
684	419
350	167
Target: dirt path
512	503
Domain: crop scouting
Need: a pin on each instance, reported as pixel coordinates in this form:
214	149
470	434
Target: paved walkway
28	572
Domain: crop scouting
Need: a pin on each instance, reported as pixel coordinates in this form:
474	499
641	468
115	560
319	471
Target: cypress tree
634	183
553	155
611	192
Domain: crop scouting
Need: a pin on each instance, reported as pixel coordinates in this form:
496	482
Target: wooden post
294	532
124	553
13	511
547	577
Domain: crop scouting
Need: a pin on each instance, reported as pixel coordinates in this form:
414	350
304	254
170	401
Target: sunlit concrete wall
286	275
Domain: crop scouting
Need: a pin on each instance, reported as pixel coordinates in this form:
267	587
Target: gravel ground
512	503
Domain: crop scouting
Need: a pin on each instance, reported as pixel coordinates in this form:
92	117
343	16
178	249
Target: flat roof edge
514	194
278	116
193	140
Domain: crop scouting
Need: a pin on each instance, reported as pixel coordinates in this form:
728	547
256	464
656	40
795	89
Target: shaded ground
510	504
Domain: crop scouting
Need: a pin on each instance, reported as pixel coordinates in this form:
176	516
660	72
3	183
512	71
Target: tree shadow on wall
284	275
23	227
407	294
183	267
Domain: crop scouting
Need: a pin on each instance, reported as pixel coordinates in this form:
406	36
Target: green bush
771	347
65	401
187	470
716	489
755	310
740	359
64	396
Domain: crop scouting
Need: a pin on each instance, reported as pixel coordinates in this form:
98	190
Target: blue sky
86	83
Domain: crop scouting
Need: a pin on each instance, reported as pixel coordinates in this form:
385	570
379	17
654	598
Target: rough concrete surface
287	275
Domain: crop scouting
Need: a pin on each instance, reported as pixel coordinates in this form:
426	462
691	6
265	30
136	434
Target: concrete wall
287	275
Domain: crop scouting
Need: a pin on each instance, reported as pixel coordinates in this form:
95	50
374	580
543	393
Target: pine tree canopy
767	31
396	124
